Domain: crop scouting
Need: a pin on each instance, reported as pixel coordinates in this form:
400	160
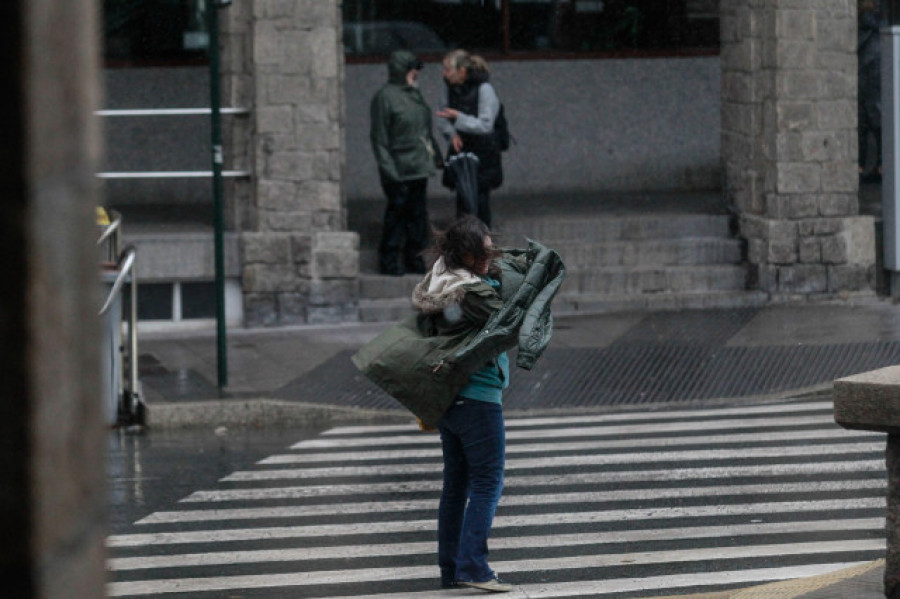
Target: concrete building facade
769	122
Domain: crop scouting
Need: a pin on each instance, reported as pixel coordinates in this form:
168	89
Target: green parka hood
399	64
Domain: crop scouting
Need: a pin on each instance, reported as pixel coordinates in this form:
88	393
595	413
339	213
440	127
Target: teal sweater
488	383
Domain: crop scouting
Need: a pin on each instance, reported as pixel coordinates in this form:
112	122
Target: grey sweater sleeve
445	126
483	122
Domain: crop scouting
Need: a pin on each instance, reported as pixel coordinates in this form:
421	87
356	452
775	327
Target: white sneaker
495	585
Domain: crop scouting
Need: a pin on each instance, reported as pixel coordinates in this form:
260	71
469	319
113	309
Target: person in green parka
406	153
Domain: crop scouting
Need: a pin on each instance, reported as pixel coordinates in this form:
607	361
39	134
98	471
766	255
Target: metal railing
130	407
216	174
138	112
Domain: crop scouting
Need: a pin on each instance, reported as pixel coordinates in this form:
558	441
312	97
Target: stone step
686	251
384	310
554	230
665	252
569	304
379	287
656	279
619	257
611	281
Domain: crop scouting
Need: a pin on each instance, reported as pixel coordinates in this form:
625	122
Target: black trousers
869	115
484	206
404	233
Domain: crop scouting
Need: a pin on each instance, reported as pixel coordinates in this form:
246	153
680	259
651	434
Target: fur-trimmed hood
442	288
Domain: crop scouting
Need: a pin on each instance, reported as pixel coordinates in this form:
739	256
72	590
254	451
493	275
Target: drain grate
709	328
630	373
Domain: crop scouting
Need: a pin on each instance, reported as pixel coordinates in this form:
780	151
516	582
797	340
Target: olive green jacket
401	126
424	361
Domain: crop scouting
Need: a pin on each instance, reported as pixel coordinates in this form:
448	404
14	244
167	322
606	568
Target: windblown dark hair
464	236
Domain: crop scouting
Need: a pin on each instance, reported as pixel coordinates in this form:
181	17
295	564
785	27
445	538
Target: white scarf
444	279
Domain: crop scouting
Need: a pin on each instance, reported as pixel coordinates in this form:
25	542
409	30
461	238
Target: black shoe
873	177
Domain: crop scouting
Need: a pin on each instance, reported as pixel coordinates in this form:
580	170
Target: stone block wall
789	144
286	62
811	255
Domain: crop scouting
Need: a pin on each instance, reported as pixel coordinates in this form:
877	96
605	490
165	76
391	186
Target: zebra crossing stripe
767	409
572	429
606	538
595	497
707	441
542	480
563	461
597	588
825	435
255	581
829	435
621	515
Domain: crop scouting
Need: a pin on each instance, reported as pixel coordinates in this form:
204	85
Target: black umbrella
462	171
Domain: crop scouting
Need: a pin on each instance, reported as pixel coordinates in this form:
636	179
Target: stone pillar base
826	255
293	278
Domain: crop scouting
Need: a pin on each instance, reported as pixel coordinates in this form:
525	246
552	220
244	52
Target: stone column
299	263
52	441
789	145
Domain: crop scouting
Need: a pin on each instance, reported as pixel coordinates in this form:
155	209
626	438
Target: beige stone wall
285	62
789	144
52	453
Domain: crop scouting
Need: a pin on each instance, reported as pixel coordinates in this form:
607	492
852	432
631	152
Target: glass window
154	30
198	300
377	27
154	301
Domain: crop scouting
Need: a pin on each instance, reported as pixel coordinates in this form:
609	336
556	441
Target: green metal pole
212	11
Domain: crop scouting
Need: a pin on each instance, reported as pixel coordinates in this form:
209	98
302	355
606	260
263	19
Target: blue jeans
474	445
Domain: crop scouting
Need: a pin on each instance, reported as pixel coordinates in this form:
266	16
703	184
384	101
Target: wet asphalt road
152	471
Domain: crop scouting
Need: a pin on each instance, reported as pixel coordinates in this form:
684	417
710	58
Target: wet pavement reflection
153	470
